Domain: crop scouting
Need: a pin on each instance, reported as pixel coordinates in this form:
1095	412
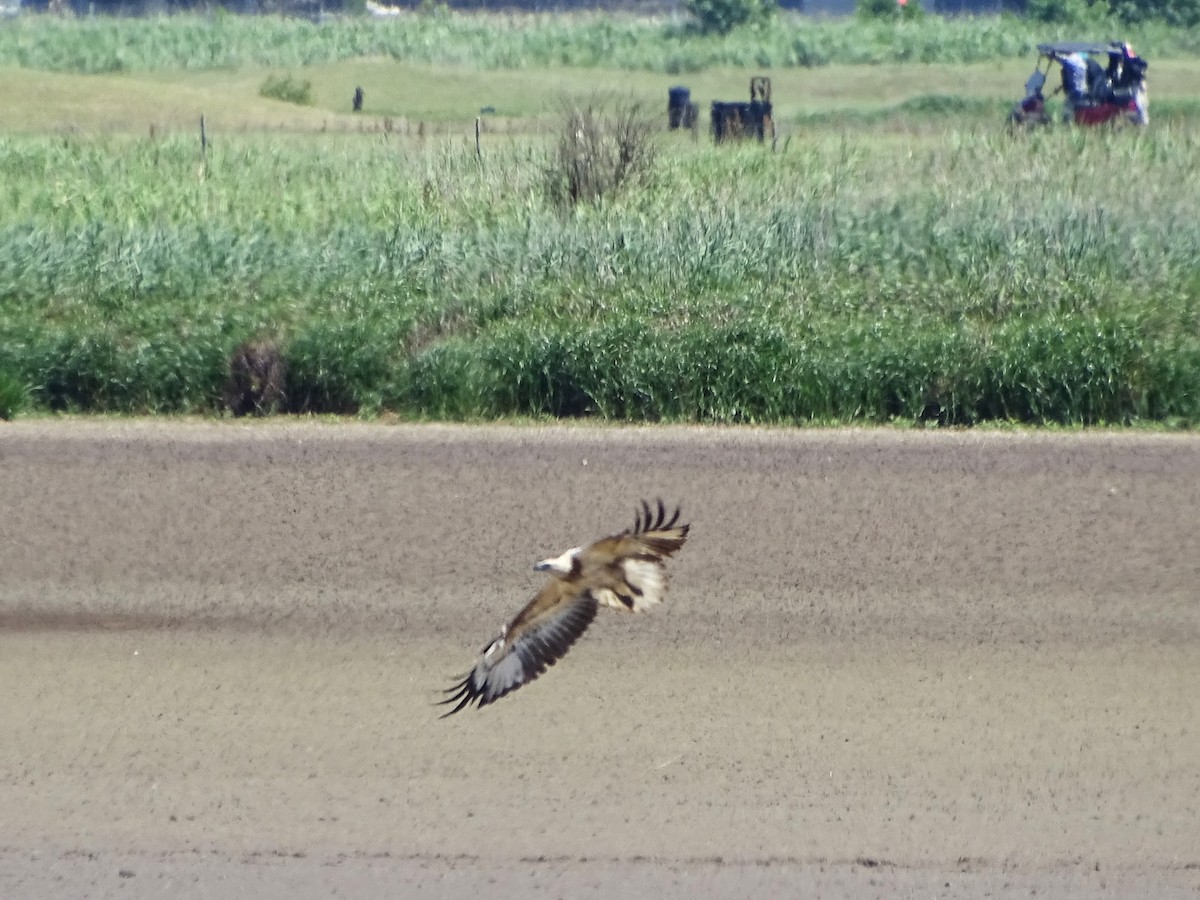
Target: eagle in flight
625	571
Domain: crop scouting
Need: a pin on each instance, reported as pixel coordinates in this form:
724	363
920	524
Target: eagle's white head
560	565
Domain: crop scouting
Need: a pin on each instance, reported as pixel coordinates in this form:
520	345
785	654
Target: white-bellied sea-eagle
625	571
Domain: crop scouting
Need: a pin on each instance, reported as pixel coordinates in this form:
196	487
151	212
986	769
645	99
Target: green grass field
900	257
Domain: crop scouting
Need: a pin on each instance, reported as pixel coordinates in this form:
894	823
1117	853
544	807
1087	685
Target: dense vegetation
957	279
913	263
494	41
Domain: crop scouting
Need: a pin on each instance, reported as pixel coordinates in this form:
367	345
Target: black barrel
678	101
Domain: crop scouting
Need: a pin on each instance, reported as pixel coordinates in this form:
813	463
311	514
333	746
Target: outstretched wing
537	638
625	571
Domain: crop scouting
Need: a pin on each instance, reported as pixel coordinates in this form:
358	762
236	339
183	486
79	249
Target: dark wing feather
523	653
647	519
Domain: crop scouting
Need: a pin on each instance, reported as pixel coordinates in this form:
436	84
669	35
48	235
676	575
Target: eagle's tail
660	535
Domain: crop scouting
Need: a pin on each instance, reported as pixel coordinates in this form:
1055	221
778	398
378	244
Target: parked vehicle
1100	82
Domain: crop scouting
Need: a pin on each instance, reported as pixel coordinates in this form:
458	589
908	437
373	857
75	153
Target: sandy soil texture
891	664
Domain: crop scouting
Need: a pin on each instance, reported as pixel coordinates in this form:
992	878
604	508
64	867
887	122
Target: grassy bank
954	276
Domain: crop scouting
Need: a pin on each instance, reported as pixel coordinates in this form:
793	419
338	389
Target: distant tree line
710	16
1178	13
315	8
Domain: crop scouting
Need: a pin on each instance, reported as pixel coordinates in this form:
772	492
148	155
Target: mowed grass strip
405	99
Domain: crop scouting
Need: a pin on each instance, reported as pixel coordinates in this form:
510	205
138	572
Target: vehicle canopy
1064	48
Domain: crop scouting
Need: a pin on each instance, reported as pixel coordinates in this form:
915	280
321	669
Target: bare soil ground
891	664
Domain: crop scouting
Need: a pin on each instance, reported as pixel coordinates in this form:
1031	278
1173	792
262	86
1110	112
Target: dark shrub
603	147
257	379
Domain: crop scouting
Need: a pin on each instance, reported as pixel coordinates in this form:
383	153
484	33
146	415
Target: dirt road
890	664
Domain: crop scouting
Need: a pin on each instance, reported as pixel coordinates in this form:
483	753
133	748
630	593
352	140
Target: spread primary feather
624	571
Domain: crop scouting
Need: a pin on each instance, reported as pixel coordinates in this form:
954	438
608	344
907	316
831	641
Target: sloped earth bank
891	664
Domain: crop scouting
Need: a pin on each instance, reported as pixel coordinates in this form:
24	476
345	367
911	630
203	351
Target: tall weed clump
603	148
